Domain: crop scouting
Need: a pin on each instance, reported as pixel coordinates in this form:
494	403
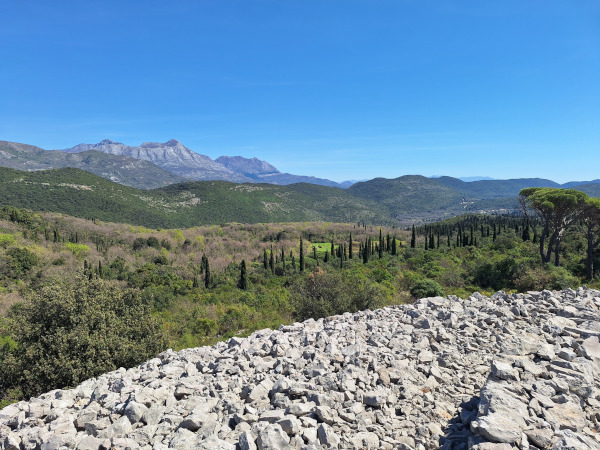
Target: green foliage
79	250
7	240
426	288
76	329
324	294
20	261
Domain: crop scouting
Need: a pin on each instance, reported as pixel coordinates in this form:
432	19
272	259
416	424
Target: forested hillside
397	202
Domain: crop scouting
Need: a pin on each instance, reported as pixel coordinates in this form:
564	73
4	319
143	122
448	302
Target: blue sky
337	89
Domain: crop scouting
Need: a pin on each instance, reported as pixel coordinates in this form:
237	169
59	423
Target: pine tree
243	282
301	255
413	239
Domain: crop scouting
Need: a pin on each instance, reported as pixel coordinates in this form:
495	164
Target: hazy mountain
121	169
251	167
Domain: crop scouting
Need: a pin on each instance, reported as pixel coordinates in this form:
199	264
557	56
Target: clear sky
340	89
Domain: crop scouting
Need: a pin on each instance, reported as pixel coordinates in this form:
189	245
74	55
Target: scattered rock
499	372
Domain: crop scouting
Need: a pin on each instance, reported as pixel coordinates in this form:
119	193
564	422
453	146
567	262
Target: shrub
426	288
6	240
78	250
75	329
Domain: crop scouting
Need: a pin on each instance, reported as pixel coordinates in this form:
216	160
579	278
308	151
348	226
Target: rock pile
510	371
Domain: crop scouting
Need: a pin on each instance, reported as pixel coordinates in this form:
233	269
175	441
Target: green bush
75	329
426	288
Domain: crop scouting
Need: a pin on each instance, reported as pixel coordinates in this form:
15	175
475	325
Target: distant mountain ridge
177	158
118	168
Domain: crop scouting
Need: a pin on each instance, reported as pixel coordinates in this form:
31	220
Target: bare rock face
501	372
171	155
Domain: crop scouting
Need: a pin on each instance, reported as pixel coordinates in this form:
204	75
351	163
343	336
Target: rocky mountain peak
170	143
108	142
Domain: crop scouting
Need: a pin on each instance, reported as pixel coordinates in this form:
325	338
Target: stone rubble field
510	371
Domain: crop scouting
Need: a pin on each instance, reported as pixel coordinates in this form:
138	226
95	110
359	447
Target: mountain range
400	201
150	165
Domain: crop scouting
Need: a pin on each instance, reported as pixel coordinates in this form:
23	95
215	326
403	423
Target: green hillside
82	194
399	201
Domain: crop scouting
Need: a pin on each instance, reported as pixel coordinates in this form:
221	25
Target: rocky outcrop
171	155
510	371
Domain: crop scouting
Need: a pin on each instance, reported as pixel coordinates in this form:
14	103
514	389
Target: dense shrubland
79	297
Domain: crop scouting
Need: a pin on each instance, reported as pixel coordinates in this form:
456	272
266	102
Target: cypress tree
265	259
494	235
350	254
426	240
283	261
394	247
332	248
380	248
413	239
326	259
431	243
315	253
301	256
365	253
243	282
526	236
206	274
195	281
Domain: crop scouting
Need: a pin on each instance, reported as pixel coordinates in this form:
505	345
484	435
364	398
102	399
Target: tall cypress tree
265	259
301	255
350	254
413	239
365	253
394	246
243	281
206	274
526	236
272	261
381	244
